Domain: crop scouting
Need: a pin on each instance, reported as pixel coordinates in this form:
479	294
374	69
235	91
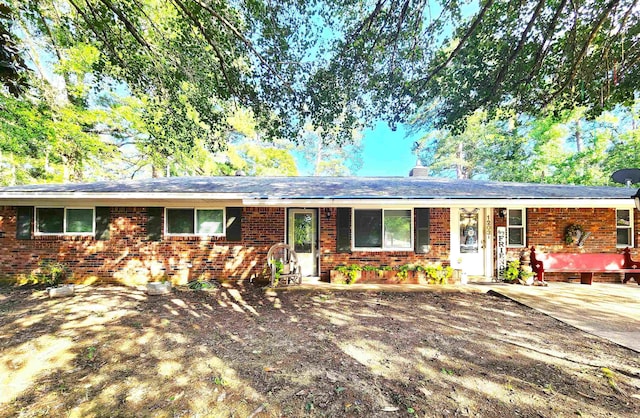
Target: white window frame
411	248
523	227
64	221
195	222
630	227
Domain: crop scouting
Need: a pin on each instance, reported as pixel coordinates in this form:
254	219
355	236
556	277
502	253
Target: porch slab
607	310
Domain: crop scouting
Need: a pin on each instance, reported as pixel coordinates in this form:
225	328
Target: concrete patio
608	310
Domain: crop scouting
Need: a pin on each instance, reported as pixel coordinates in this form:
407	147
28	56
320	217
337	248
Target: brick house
222	227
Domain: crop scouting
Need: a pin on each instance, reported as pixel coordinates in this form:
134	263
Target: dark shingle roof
331	188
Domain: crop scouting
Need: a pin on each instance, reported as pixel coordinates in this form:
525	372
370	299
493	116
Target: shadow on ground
245	351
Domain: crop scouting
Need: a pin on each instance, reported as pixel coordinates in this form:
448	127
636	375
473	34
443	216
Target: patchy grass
247	352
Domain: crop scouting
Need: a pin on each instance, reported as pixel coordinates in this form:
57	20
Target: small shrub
437	274
52	273
512	272
351	271
279	265
403	272
200	285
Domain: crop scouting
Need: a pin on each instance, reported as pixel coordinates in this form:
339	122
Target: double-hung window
189	221
386	229
516	221
70	221
624	228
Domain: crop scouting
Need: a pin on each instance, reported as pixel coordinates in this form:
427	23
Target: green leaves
561	148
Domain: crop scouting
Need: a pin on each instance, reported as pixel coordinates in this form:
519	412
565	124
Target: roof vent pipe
419	170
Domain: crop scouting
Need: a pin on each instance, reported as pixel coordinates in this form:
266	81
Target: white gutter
176	199
446	203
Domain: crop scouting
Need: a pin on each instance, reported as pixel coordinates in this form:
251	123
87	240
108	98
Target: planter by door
380	277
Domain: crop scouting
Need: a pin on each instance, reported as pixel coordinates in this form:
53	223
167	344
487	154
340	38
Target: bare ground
250	352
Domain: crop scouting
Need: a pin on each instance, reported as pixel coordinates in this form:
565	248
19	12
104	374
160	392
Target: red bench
585	264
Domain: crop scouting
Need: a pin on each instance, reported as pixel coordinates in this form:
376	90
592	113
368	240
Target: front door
302	236
468	240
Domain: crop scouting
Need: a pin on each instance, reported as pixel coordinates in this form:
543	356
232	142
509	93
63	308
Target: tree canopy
165	78
441	61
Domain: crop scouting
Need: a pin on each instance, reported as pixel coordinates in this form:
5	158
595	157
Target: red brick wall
439	246
128	257
546	231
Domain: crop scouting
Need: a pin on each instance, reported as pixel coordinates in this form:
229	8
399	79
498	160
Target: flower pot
61	291
158	288
464	279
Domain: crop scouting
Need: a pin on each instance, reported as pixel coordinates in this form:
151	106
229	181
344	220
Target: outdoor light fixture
636	198
327	213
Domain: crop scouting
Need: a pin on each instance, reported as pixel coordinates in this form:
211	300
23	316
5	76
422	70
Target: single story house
185	228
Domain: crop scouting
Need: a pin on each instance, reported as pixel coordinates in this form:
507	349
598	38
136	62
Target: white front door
302	236
468	241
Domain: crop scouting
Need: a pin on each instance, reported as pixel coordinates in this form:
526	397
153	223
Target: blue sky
387	153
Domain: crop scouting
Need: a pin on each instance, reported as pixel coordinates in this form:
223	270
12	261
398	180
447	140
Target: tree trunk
579	145
460	159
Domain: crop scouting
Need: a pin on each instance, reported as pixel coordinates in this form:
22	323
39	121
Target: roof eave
135	199
447	202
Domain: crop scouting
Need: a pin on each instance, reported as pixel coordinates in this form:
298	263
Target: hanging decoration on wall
574	234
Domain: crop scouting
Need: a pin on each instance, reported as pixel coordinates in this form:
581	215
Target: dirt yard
250	352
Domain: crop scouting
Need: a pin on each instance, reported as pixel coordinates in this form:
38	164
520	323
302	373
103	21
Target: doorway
471	241
302	235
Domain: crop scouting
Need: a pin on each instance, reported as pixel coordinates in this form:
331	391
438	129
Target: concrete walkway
608	310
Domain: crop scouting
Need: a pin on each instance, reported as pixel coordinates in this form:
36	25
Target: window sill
63	234
382	250
69	237
194	235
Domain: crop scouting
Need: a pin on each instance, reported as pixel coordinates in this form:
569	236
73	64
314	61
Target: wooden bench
585	264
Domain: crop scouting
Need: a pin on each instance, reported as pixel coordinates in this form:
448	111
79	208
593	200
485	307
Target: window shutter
343	230
234	224
154	224
102	223
422	230
24	225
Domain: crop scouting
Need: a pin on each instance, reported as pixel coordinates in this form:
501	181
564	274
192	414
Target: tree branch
245	40
583	52
101	35
543	50
454	53
518	48
198	24
368	21
127	23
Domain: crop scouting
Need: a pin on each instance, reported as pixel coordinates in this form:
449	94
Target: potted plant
161	287
512	272
526	275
